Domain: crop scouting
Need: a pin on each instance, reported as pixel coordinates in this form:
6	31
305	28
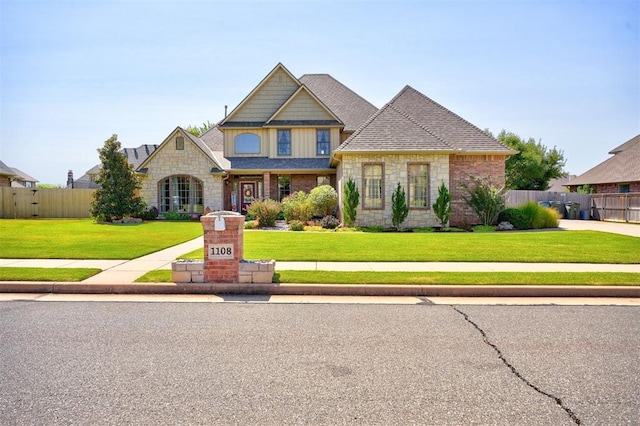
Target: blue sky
73	73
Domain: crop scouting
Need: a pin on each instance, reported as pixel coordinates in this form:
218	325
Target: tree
442	206
116	197
485	199
534	165
399	208
199	130
351	201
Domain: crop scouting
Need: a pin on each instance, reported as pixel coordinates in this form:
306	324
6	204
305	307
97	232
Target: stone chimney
70	179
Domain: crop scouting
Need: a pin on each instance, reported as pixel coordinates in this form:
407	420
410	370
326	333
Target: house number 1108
221	251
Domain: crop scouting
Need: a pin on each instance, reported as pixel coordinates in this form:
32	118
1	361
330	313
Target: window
284	142
284	187
180	143
323	180
180	194
418	186
372	177
323	142
247	143
623	188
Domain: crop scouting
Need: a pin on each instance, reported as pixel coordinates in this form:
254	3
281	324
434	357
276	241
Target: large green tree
116	197
534	166
199	130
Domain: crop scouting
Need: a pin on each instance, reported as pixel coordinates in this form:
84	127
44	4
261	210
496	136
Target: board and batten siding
303	142
303	107
267	99
230	139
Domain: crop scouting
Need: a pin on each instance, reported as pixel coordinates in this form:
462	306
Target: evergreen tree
399	208
116	197
351	201
442	206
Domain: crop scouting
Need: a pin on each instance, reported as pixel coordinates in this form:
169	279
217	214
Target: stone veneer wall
461	169
395	170
168	161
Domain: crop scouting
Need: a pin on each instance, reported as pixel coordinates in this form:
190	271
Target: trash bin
559	207
573	210
544	203
584	215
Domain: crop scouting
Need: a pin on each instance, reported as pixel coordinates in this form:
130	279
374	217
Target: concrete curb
324	289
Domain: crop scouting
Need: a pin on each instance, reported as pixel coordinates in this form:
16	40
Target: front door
247	195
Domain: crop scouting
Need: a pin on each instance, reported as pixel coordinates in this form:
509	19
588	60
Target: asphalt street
253	363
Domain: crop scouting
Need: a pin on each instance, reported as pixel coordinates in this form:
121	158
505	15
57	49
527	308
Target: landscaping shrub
297	206
265	211
399	208
351	201
516	217
329	222
296	225
250	224
324	199
442	206
150	213
546	217
177	216
529	210
485	199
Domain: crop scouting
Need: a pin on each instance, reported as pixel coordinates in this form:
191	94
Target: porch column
266	185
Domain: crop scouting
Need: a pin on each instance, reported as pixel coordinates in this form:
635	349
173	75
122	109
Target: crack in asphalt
486	340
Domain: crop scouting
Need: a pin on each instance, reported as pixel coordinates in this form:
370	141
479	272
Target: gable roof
196	141
290	105
283	96
413	122
352	109
623	167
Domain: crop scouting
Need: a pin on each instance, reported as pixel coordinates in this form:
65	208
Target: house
293	134
15	178
135	156
22	180
617	174
6	175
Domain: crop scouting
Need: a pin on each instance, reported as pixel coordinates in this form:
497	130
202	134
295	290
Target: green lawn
545	246
47	274
85	239
439	278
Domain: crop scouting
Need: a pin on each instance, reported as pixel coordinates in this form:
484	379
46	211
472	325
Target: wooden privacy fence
25	203
616	207
613	207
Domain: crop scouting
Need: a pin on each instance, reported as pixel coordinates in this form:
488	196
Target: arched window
180	194
247	143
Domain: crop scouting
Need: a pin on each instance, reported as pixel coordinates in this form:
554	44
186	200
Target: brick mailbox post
223	255
223	246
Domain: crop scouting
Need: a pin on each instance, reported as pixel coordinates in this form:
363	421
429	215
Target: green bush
177	216
516	217
442	206
324	199
296	225
546	218
265	211
485	199
399	208
297	206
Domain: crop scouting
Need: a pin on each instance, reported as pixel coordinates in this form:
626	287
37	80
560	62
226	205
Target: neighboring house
293	134
6	175
560	184
22	180
617	174
15	178
135	157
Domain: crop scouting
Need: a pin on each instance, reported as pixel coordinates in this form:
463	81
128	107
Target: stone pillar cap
223	213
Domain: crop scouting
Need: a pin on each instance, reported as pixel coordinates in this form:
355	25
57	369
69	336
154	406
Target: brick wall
4	182
613	188
461	169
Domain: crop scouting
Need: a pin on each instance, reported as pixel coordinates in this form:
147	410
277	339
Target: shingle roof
135	156
6	170
262	163
23	176
416	122
347	105
623	167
